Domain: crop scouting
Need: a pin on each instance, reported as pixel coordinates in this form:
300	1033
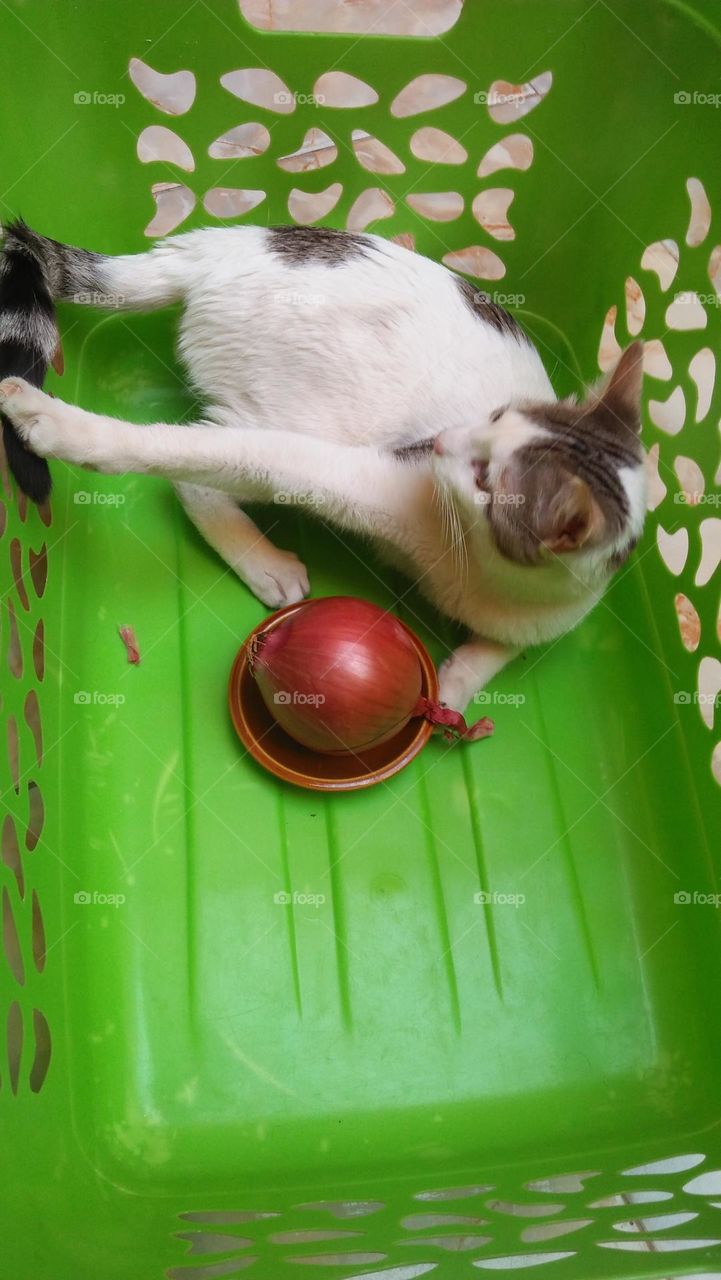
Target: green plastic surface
385	1045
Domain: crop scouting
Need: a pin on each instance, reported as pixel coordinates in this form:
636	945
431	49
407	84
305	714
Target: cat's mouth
480	475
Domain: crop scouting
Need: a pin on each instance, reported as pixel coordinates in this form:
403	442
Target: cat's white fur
311	374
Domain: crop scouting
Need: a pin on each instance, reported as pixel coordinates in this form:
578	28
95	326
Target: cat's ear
570	516
621	395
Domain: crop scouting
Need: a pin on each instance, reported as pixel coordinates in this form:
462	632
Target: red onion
341	674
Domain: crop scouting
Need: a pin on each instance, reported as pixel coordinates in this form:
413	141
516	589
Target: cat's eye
497	413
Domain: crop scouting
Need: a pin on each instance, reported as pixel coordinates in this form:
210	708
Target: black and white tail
28	342
34	271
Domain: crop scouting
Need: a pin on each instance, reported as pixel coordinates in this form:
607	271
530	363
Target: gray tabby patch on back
317	244
489	311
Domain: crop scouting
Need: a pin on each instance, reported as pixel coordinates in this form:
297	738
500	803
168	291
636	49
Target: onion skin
338	674
454	725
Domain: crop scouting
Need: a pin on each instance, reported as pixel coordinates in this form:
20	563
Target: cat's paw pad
12	387
278	580
38	419
22	403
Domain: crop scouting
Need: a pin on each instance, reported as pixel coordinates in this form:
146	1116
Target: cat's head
554	479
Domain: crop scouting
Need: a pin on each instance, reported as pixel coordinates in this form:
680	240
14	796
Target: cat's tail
28	342
35	271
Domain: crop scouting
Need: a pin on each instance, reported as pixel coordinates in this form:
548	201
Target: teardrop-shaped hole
673	548
43	1051
490	209
686	312
702	370
241	143
369	207
710	533
374	155
16	553
426	93
36	816
700	219
609	348
39	570
38	934
361	17
156	143
31	711
437	147
39	650
340	90
261	88
307	207
437	206
662	257
513	152
656	490
11	852
655	360
669	415
635	306
476	260
231	202
689	623
174	94
315	152
510	102
174	202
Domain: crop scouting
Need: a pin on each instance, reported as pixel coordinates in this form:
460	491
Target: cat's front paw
50	428
456	686
277	579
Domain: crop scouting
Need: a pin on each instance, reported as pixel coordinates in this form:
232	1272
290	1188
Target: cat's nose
438	446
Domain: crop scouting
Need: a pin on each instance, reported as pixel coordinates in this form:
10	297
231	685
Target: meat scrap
127	635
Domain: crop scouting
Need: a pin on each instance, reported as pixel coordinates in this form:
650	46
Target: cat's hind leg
276	577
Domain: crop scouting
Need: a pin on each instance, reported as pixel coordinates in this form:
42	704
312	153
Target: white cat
385	393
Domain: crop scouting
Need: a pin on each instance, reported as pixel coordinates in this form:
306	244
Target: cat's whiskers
453	532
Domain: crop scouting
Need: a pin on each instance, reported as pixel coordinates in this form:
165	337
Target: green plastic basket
469	1020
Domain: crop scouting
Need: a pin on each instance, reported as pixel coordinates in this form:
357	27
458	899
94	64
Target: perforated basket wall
471	1019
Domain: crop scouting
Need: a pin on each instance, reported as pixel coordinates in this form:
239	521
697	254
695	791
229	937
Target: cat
387	395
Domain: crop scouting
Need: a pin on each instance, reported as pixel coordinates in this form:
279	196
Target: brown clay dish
287	759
